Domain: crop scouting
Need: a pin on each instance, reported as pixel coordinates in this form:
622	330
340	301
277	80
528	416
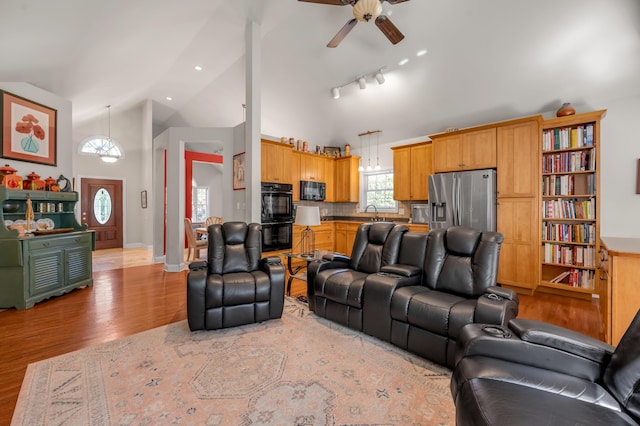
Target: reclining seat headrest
234	247
462	260
376	244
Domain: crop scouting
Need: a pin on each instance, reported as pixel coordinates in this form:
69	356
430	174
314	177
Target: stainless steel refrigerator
463	199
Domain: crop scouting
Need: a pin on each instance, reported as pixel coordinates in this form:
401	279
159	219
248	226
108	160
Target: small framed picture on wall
238	171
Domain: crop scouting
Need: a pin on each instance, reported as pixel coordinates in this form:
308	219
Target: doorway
101	203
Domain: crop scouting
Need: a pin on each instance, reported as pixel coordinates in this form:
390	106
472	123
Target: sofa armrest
552	336
276	271
196	288
496	306
329	261
503	343
402	270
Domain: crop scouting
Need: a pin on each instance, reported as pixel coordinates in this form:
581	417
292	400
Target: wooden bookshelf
570	205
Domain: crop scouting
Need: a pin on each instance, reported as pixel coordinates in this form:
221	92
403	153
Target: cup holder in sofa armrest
496	331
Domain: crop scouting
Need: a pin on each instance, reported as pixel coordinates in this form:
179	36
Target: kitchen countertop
622	246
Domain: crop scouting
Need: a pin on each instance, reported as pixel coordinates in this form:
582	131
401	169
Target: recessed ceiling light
421	52
169	98
403	62
198	68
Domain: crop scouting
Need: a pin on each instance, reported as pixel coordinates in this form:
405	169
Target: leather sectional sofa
415	290
534	373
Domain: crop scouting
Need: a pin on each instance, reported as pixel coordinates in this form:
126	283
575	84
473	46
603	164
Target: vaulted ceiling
487	61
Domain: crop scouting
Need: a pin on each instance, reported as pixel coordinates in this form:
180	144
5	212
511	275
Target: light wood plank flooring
131	295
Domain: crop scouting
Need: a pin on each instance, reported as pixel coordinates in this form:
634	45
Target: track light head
335	92
362	83
379	77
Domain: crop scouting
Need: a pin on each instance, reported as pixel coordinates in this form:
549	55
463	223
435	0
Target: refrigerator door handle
458	191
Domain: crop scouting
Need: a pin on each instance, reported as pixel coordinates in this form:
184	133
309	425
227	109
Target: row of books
570	161
566	232
567	137
583	184
569	255
569	209
576	278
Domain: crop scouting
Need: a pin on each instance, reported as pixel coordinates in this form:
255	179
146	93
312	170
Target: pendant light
360	168
377	167
369	168
108	151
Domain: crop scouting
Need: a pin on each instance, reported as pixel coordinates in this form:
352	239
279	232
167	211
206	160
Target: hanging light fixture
379	76
360	168
362	83
369	168
377	167
108	151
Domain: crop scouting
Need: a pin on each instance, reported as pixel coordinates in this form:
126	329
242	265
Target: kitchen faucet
376	217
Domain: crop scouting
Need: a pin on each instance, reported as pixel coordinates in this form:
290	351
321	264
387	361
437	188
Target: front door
102	210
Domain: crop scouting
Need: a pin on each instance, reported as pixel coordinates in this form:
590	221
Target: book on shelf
567	137
576	278
559	277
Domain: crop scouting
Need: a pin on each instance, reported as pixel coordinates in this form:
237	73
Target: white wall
619	154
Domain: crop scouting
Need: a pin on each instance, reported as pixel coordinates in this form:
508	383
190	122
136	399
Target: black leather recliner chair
335	284
534	373
235	286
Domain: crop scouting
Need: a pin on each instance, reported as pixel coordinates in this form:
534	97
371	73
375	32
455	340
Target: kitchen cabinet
295	174
311	167
411	183
37	266
329	178
518	174
347	179
619	269
345	235
464	150
275	162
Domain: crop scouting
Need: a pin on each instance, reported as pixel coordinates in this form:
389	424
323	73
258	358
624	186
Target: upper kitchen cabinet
411	183
464	150
312	167
295	174
347	179
518	158
276	162
329	178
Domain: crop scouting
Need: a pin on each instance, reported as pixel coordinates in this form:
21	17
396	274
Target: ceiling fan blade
388	29
335	41
332	2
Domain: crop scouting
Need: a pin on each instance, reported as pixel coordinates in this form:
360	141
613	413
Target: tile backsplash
353	209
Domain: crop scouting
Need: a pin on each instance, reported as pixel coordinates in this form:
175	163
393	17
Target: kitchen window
377	189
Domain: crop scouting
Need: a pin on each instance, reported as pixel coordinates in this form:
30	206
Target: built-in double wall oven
277	216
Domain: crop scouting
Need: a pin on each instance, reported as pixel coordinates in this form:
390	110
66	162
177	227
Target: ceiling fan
364	10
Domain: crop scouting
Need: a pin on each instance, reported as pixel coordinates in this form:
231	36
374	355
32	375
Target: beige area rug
298	370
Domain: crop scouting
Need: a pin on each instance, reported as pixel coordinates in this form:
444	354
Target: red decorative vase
565	109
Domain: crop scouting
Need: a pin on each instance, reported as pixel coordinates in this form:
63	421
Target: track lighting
361	81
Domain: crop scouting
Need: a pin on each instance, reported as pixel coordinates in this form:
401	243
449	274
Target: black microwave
312	191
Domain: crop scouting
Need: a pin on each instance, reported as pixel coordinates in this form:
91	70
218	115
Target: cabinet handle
45	244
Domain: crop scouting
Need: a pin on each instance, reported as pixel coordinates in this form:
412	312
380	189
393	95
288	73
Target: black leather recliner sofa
415	290
235	286
534	373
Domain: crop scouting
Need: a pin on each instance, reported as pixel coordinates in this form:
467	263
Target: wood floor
131	295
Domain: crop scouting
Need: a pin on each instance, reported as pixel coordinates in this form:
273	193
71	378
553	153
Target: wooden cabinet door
295	175
340	239
518	160
347	179
518	223
402	174
329	178
268	160
447	154
421	168
352	230
282	166
479	149
310	167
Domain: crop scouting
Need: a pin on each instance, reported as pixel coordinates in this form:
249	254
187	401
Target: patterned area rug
299	370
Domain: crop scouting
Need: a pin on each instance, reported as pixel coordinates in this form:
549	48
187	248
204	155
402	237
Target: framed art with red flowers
28	130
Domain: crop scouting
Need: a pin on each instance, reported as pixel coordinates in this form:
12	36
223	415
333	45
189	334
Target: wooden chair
194	246
212	220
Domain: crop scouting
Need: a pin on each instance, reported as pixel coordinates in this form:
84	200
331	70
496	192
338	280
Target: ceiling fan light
380	77
362	83
367	10
335	92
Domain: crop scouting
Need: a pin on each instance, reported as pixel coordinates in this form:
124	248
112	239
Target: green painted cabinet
37	266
